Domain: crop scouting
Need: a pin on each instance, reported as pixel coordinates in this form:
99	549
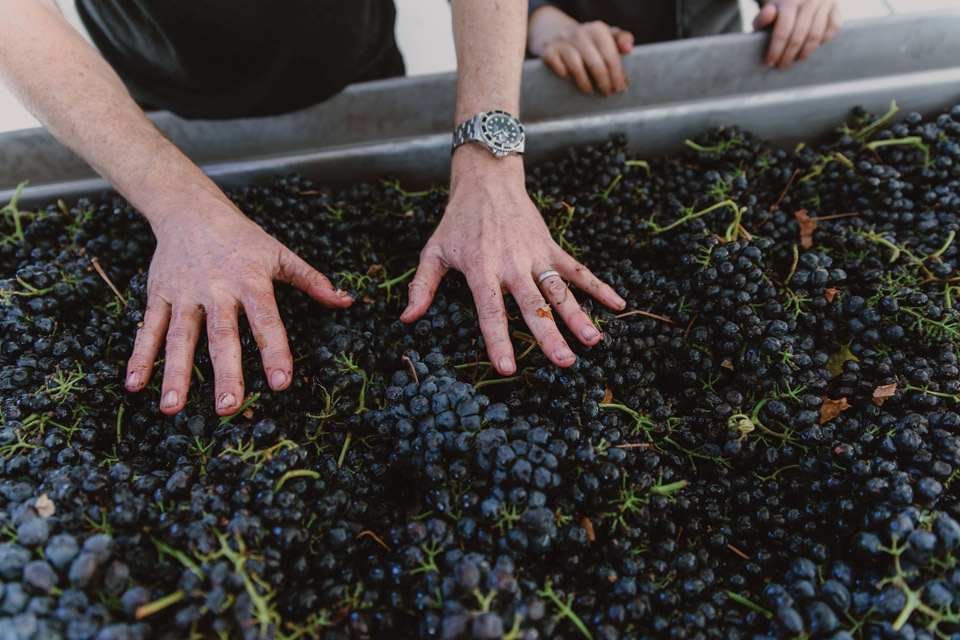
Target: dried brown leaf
831	408
545	312
374	269
807	226
726	364
368	299
830	294
588	526
607	396
884	391
248	413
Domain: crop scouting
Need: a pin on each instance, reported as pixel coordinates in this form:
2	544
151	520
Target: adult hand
589	53
493	234
219	264
799	27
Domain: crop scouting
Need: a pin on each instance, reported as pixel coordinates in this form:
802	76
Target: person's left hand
493	234
799	27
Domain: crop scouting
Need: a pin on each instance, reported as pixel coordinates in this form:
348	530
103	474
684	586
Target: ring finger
537	315
561	298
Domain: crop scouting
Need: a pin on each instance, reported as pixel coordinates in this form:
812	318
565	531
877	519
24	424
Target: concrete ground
426	40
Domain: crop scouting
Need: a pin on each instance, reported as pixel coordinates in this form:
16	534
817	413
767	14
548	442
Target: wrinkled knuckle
277	356
268	321
556	287
491	311
418	283
550	337
147	334
178	333
500	340
223	330
531	301
480	263
172	375
228	378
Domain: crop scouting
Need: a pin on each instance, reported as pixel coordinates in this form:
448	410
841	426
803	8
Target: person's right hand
588	53
210	268
798	26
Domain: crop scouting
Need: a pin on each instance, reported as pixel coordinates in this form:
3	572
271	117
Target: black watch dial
502	130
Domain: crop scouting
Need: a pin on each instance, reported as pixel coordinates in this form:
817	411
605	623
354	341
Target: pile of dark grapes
766	443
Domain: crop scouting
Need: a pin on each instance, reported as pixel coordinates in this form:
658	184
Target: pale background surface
425	38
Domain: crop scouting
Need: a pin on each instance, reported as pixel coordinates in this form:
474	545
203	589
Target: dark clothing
654	20
208	59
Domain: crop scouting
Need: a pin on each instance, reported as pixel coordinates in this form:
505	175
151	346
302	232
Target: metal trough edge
782	117
678	89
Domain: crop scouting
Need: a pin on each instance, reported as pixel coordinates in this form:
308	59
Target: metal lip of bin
402	126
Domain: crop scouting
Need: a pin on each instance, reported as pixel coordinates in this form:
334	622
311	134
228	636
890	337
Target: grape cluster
766	442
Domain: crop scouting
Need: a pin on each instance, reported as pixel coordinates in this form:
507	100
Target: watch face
502	130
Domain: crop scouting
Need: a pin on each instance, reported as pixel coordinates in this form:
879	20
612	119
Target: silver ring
546	274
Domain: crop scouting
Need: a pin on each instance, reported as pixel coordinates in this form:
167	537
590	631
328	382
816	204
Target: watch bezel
497	148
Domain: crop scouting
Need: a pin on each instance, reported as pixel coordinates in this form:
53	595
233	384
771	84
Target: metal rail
402	126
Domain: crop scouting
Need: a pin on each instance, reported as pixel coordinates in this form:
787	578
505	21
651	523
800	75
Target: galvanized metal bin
403	126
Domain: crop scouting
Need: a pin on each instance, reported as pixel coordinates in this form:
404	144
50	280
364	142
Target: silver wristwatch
498	130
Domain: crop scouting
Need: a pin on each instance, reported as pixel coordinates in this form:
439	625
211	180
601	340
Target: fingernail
620	302
588	332
133	380
171	399
227	400
506	364
562	355
277	378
